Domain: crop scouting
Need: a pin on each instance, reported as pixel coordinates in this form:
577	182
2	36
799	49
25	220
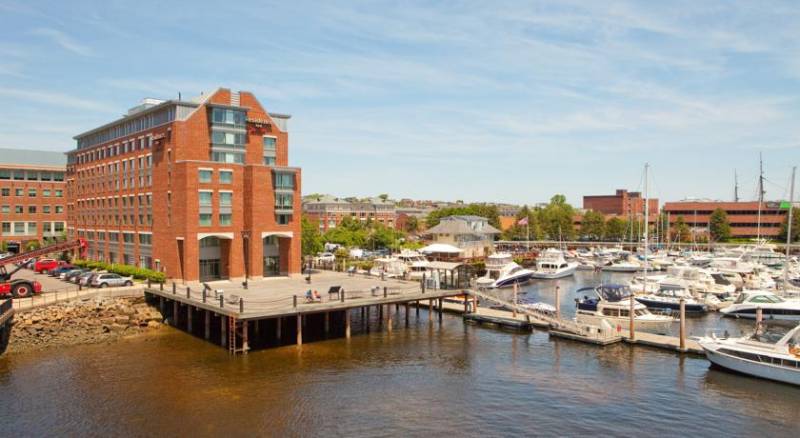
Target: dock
276	311
6	318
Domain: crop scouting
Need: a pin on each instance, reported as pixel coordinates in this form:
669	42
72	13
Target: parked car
82	278
326	257
63	268
70	275
44	266
106	280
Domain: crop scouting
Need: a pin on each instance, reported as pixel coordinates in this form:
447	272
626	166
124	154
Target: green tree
680	230
615	229
795	226
593	225
383	197
718	226
484	210
557	219
32	245
522	232
311	238
412	224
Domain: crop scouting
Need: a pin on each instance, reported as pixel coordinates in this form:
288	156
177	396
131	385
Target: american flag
523	221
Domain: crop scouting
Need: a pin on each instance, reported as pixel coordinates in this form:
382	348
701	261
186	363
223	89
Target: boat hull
764	371
656	304
554	275
509	282
650	326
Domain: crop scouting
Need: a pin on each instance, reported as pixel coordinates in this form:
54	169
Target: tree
557	219
521	232
593	225
680	231
718	226
615	229
32	245
412	224
311	238
795	226
383	197
488	211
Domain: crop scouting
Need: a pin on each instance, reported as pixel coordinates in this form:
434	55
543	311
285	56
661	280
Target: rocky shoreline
87	321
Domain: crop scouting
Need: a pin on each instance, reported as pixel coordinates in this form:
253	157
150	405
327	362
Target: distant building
743	216
473	234
403	214
32	195
623	203
329	211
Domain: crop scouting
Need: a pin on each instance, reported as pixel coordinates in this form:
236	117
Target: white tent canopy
440	248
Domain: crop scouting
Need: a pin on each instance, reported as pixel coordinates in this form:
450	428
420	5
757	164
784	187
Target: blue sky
486	101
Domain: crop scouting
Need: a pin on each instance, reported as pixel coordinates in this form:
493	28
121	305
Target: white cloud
65	41
55	99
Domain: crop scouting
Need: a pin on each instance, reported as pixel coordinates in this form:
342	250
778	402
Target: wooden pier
275	312
6	318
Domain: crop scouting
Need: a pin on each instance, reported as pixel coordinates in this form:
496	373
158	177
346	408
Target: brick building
623	203
199	189
743	216
32	196
328	211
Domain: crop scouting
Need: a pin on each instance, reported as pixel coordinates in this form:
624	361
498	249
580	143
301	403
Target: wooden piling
683	325
189	318
245	342
416	309
558	303
299	329
389	318
327	323
407	309
279	324
347	323
441	309
207	325
430	310
223	328
175	317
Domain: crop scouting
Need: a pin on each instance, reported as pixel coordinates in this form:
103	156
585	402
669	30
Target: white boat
389	267
416	264
766	355
732	265
612	304
540	307
669	298
773	307
552	264
624	266
502	271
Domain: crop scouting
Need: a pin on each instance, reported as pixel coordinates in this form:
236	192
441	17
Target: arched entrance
276	253
212	255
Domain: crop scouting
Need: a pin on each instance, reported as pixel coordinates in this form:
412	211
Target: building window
5	174
205	219
18	209
46	209
59	208
19	175
283	219
225	177
32	175
205	198
227	117
6	192
227	157
58	227
46	192
225	138
19	192
269	150
31	209
127	238
224	219
31	193
31	228
59	193
283	200
145	239
58	176
5	209
19	227
225	199
284	180
205	175
6	227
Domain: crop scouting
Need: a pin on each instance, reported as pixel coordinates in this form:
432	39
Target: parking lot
49	284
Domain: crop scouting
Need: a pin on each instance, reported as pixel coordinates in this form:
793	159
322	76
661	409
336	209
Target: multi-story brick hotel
198	189
32	196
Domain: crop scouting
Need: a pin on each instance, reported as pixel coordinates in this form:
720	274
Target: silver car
106	280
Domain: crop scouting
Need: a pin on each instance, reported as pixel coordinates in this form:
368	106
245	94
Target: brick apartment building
198	189
743	216
32	196
328	211
623	203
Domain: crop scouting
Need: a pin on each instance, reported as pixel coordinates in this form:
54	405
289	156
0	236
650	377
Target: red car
43	266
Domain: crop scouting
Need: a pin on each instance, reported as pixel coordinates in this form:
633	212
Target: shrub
124	270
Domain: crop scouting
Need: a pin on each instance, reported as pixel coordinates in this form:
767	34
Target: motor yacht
389	267
502	271
612	303
773	307
765	354
552	264
669	298
732	265
623	266
416	264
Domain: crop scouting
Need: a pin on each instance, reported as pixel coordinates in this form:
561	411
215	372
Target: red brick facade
743	216
32	202
209	216
623	203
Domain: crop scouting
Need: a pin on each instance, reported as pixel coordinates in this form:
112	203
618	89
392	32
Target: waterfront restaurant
200	189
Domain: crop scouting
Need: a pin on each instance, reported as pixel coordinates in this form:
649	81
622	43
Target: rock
124	319
153	324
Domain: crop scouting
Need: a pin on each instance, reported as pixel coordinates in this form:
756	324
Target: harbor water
427	379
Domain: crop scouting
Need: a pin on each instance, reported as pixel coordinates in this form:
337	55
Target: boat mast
789	233
760	194
646	227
